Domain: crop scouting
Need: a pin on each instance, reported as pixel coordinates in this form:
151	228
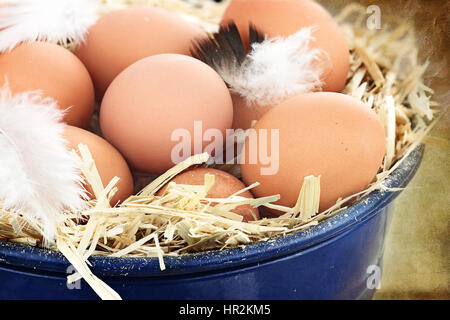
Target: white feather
278	68
57	21
39	176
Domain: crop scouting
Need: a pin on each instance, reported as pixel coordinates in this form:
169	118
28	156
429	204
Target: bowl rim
50	261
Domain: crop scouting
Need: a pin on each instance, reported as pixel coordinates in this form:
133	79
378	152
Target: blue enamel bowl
341	258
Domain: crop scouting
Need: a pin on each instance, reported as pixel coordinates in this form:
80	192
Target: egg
161	103
56	72
328	134
285	17
108	160
122	37
224	186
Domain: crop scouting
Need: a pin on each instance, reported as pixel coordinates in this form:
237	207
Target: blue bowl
338	259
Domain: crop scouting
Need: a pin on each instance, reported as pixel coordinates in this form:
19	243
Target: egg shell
155	96
324	133
284	18
224	186
122	37
54	70
108	160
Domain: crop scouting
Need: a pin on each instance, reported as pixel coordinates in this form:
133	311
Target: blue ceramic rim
44	260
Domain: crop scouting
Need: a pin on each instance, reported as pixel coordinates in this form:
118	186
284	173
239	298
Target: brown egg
285	17
108	160
122	37
163	102
225	185
55	71
324	133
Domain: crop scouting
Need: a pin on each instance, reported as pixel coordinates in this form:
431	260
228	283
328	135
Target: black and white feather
39	176
271	71
57	21
225	49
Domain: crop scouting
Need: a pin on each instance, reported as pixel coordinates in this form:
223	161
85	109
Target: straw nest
385	74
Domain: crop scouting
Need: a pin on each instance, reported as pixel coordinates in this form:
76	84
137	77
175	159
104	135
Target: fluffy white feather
39	176
57	21
277	69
